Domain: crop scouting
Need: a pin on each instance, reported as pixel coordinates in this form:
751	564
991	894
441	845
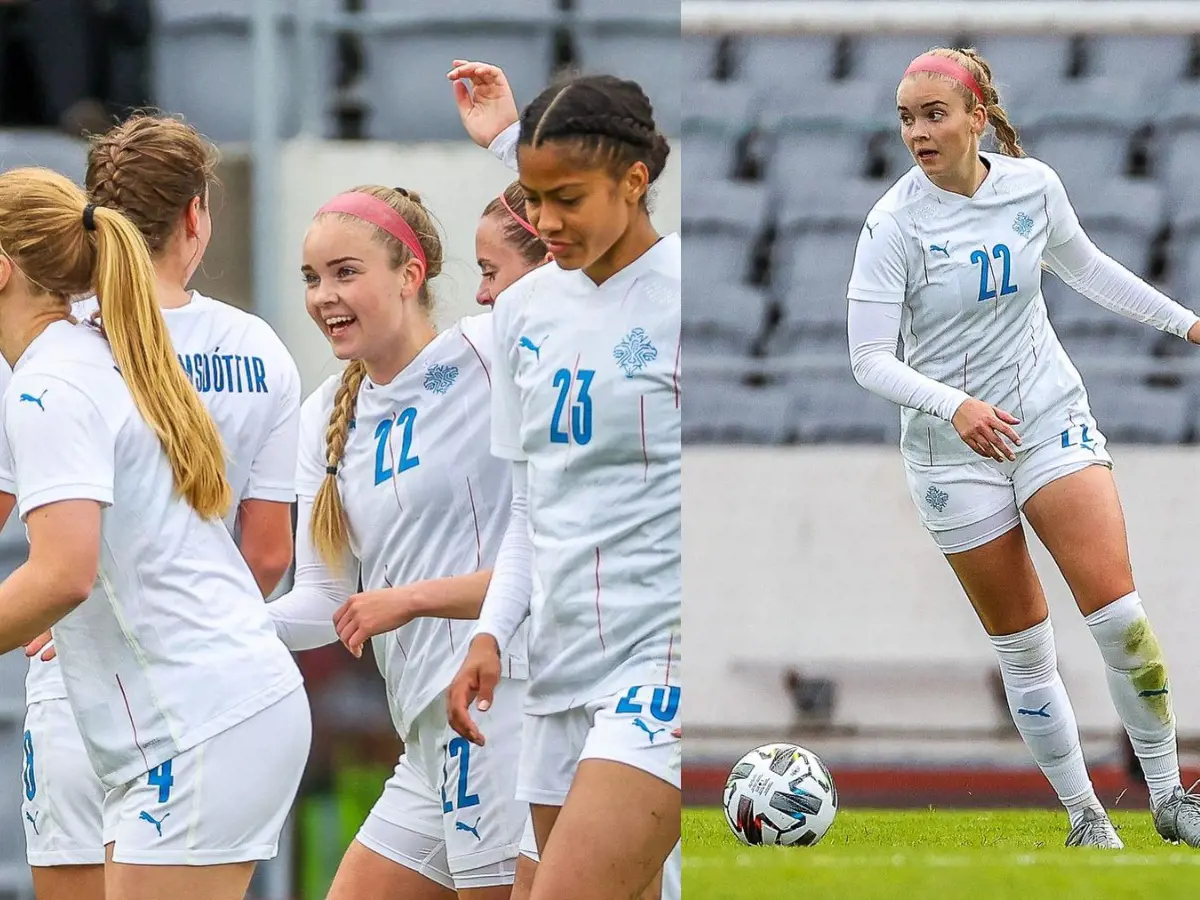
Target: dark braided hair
609	118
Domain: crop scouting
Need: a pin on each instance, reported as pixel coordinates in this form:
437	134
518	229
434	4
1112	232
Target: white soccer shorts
449	811
637	727
63	800
965	506
224	801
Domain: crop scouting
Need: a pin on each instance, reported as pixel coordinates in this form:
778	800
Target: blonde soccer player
586	407
190	709
996	420
158	171
396	485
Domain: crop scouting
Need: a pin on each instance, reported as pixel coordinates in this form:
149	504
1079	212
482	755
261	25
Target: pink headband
943	65
524	224
373	210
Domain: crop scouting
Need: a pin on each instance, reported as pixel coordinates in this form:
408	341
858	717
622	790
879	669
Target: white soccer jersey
587	391
423	496
967	271
249	382
177	646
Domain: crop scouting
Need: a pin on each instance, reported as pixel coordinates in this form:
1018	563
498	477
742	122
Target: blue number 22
459	747
383	431
581	410
1000	252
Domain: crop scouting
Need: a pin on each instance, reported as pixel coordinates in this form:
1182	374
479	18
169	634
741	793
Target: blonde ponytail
330	530
133	323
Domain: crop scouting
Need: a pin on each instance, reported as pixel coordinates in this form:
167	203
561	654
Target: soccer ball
780	794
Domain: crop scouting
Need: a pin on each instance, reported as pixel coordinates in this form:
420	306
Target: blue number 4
458	747
383	432
581	409
161	779
1000	252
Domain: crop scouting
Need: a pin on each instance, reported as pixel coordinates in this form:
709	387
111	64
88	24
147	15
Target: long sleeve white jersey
967	274
424	499
249	383
587	391
176	646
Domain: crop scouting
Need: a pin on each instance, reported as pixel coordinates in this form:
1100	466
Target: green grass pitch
942	855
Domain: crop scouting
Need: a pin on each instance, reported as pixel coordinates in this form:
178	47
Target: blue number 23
581	409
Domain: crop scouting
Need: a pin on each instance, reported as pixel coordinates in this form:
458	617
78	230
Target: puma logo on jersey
526	344
29	398
470	829
943	249
870	229
638	723
157	823
33	821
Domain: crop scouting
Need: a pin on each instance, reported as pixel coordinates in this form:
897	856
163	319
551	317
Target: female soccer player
586	405
172	668
157	172
950	259
395	482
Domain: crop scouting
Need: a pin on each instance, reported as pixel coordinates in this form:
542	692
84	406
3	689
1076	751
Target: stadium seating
817	159
408	43
204	66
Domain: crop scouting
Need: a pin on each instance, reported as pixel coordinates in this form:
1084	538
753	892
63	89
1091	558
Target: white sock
1043	714
1137	681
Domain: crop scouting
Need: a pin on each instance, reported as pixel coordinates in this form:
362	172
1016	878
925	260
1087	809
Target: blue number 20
1000	252
459	747
161	779
383	431
664	702
581	410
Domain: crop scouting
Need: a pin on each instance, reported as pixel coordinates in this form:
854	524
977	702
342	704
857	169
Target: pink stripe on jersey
675	374
645	456
136	740
475	516
480	358
599	626
670	651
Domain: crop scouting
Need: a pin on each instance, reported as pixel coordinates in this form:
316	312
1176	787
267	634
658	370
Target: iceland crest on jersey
1023	225
635	352
439	378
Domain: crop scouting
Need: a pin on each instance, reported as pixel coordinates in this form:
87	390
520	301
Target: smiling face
501	262
940	129
579	210
352	292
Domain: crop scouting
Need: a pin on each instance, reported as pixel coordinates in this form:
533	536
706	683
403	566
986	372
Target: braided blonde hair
330	529
1007	138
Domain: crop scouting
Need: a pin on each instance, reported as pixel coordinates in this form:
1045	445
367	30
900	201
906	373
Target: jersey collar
951	197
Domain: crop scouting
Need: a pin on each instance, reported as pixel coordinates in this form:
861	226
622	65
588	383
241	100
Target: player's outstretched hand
984	427
34	647
487	107
1193	334
370	613
478	677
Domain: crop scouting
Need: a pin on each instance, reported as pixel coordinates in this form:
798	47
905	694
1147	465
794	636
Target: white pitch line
1085	859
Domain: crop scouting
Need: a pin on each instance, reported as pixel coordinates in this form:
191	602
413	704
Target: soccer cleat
1094	830
1178	819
